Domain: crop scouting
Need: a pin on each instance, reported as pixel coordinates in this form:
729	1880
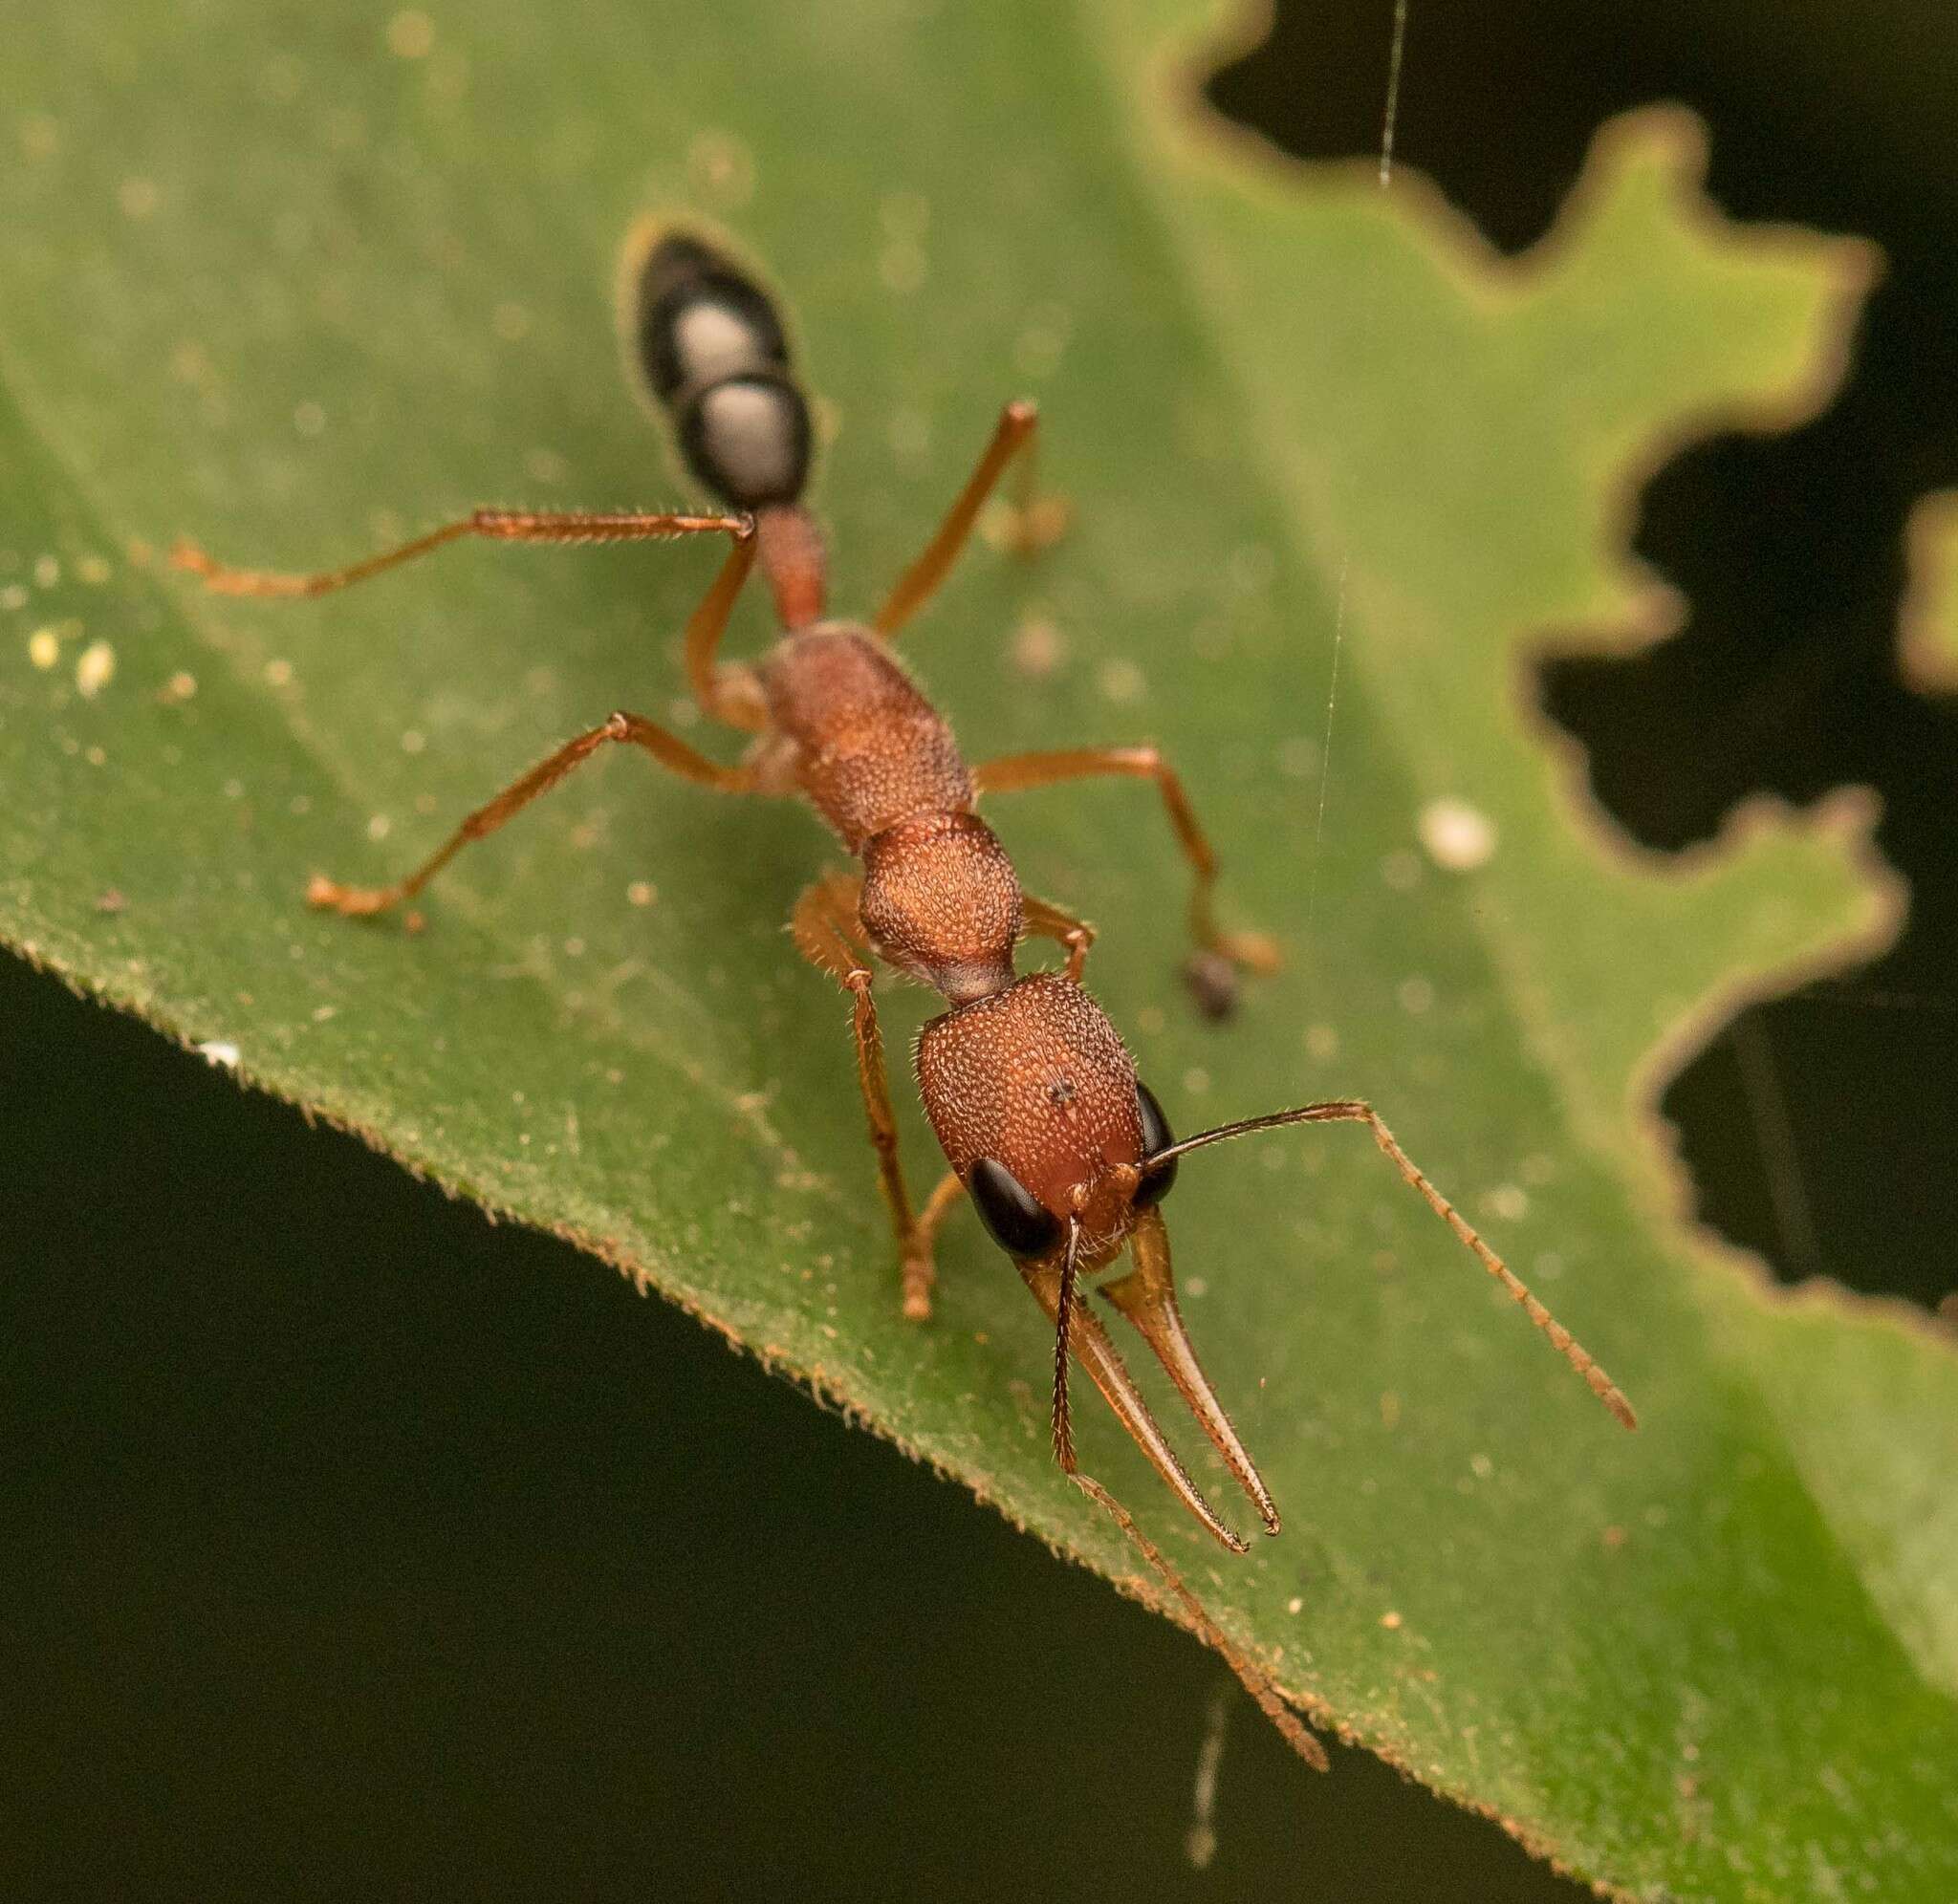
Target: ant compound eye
1020	1225
1156	1137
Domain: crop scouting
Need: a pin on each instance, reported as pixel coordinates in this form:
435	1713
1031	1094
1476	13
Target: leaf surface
292	284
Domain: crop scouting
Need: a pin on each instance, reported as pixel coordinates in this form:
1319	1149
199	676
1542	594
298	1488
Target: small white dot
1510	1201
721	167
410	35
94	670
1458	837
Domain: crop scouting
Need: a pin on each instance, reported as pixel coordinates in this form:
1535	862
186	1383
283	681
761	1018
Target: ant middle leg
1036	521
1212	970
671	753
828	933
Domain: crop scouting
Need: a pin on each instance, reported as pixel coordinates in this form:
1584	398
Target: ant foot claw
1211	971
1213	982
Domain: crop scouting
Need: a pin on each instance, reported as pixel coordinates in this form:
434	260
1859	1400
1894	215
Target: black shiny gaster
714	351
1019	1224
747	438
1156	1137
682	272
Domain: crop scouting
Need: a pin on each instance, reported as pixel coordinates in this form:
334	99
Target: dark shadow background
1788	548
631	1619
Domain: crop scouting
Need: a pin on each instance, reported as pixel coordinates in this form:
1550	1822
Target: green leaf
291	284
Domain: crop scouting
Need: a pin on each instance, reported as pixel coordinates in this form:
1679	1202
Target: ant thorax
867	749
941	903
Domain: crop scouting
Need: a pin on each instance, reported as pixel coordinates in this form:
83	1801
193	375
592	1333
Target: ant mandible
1064	1152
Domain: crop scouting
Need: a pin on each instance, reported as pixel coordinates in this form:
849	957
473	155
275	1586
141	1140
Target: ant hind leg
1035	521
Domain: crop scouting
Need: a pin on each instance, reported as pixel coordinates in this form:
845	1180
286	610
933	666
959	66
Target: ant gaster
1065	1154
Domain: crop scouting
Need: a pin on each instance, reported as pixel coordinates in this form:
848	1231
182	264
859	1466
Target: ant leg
1036	523
921	1273
730	695
827	934
1211	971
362	901
1048	921
496	525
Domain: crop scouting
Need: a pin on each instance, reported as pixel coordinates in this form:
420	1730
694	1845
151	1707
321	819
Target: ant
1065	1154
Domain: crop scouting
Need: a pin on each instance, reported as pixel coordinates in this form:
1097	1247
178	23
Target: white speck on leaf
1458	837
94	670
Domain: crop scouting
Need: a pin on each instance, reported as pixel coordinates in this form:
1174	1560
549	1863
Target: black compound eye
1156	1137
1020	1225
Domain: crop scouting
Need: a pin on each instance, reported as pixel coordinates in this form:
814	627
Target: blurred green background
271	1661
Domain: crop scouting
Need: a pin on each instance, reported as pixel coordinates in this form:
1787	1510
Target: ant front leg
1213	969
828	933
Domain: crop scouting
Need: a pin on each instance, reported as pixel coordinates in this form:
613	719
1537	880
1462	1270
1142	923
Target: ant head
1066	1155
1037	1103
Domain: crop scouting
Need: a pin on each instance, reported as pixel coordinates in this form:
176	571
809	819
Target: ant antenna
1351	1110
1063	1426
1253	1680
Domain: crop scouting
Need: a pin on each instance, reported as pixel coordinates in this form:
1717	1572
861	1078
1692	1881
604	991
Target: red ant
1064	1152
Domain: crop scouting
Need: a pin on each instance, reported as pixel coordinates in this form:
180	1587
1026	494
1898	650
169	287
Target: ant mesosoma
1064	1152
